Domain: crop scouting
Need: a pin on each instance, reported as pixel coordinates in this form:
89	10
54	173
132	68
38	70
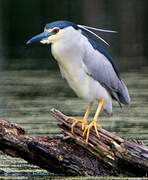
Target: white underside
74	71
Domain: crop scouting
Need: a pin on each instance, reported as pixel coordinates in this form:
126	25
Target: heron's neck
68	49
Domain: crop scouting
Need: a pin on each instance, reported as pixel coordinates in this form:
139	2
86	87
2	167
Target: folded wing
102	68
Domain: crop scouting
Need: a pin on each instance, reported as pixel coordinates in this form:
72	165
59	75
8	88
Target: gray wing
100	69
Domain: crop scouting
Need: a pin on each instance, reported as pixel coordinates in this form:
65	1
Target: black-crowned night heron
88	68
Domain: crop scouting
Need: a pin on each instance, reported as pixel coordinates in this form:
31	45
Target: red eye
56	30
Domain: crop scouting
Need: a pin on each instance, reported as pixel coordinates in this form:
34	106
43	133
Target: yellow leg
83	121
94	121
86	115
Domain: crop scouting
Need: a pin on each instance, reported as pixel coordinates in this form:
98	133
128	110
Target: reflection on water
26	98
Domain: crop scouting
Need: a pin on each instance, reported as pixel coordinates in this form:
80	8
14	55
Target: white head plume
88	28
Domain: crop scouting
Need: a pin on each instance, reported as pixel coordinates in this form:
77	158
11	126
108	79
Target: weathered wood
105	155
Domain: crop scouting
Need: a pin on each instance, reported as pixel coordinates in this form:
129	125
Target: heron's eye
55	30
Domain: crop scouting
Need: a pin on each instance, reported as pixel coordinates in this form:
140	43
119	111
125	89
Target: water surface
26	97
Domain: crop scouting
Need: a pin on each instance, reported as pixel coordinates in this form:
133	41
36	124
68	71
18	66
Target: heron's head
53	32
58	30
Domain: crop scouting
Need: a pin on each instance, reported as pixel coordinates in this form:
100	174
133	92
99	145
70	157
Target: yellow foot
83	122
87	129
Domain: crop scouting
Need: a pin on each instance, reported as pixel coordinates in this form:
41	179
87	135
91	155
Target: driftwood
107	155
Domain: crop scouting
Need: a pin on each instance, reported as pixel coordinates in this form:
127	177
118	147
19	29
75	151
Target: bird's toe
76	121
87	129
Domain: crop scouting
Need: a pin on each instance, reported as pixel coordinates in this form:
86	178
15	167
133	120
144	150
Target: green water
27	96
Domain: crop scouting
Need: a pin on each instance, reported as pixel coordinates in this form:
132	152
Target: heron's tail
123	95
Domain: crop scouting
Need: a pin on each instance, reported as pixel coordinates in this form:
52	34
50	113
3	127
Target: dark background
22	19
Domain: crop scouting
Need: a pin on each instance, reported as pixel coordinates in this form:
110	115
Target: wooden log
106	155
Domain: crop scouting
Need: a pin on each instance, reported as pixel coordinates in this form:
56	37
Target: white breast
77	79
69	53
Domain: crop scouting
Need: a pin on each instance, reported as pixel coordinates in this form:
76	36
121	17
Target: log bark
68	154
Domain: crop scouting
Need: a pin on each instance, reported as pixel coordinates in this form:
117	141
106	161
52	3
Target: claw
87	129
83	122
94	121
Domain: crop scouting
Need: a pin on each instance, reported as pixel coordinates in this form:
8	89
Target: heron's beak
39	37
